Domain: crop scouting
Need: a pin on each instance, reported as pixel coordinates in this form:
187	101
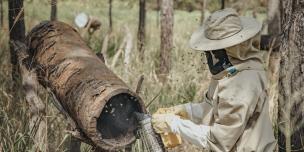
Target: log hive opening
117	118
97	100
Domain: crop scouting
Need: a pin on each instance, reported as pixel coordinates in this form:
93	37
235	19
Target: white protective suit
234	114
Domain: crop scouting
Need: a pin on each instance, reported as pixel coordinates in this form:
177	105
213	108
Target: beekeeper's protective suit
234	114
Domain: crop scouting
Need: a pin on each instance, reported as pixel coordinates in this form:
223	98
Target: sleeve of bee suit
192	111
197	111
201	113
236	101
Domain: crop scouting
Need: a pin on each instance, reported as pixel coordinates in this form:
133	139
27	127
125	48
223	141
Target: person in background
234	113
87	23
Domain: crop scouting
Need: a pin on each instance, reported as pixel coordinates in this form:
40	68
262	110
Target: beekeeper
87	23
234	114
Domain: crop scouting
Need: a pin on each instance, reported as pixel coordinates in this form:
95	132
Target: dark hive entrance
116	119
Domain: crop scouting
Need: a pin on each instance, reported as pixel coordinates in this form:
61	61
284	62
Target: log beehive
98	101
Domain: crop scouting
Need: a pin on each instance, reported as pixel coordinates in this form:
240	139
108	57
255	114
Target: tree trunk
53	10
166	37
37	122
17	33
128	50
222	4
158	12
141	29
273	17
110	16
119	52
291	80
204	4
274	30
104	48
1	13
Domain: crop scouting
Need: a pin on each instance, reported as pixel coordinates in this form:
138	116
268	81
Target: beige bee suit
236	107
234	116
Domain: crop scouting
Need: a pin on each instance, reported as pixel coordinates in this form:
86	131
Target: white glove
189	131
161	122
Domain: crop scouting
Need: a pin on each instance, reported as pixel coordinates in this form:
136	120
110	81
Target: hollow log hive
93	96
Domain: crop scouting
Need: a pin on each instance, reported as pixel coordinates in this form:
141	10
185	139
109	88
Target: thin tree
204	4
166	37
222	4
274	30
30	85
291	80
1	13
17	33
53	10
273	17
110	17
141	29
158	12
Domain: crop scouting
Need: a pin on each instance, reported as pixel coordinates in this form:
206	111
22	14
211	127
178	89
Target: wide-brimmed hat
222	29
81	20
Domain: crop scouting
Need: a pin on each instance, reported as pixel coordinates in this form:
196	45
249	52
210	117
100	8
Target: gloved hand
191	111
179	110
189	131
161	122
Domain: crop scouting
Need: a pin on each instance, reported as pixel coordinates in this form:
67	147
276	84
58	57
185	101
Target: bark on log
100	103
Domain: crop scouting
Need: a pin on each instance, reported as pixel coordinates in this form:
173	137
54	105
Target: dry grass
187	80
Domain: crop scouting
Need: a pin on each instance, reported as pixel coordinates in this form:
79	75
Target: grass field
188	77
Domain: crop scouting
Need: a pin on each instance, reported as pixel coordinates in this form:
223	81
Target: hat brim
200	42
81	20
